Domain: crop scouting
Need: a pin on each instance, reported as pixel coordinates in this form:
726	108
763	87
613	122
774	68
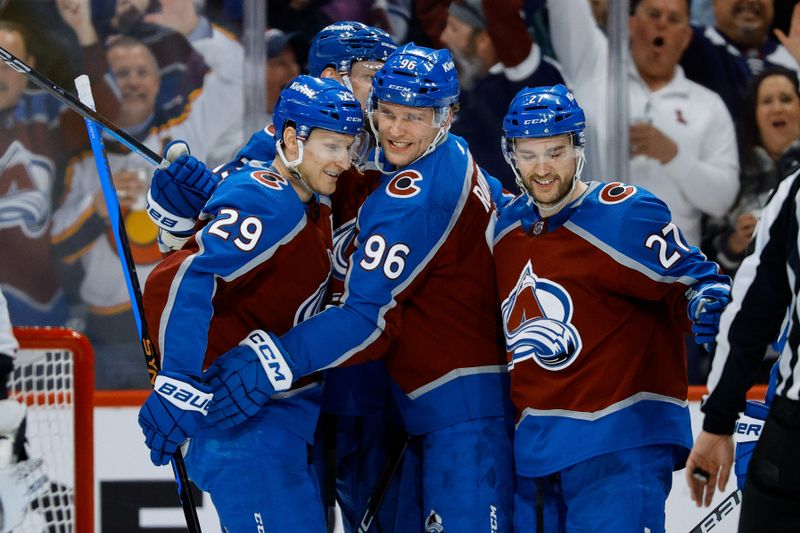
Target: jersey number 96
376	253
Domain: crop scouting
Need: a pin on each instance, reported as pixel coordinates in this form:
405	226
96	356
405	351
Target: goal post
54	377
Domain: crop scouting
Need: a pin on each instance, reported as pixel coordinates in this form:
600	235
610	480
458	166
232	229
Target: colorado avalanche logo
537	318
312	305
342	239
25	191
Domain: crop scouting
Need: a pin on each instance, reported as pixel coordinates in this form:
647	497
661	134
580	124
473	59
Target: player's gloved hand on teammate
705	309
748	430
243	379
172	413
179	192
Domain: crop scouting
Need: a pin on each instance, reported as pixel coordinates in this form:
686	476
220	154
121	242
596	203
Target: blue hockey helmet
416	76
342	43
309	103
545	112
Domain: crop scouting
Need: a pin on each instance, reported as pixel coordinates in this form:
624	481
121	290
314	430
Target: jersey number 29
249	229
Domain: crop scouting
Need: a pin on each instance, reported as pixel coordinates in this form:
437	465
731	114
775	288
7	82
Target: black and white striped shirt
765	287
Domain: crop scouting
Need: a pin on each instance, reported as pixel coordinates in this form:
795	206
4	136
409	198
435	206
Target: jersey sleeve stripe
625	260
596	415
455	374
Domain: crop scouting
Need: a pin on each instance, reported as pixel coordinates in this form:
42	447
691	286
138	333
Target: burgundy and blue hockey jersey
594	310
262	260
419	293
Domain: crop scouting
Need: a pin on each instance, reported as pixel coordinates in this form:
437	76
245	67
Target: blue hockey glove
171	414
243	379
748	430
179	192
705	309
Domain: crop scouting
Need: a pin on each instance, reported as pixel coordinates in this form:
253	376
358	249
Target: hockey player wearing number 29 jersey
597	288
262	256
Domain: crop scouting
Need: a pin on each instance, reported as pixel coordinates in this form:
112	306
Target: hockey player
351	53
418	293
262	256
597	288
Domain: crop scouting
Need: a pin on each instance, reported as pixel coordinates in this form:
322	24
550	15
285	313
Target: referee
765	286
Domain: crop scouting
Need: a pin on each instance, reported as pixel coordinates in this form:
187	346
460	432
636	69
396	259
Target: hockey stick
82	109
132	282
374	501
716	515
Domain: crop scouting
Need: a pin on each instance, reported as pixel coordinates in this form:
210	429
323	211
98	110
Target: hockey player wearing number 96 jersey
261	257
597	288
419	294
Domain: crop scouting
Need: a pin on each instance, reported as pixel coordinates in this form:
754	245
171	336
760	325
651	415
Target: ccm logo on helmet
404	184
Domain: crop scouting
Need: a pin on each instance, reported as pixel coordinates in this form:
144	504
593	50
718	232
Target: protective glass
531	154
423	116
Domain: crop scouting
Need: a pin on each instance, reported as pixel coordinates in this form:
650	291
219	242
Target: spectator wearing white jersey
80	230
682	141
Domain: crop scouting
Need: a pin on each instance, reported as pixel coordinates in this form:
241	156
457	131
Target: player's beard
564	189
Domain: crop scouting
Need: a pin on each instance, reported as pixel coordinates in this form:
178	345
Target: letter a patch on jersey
537	324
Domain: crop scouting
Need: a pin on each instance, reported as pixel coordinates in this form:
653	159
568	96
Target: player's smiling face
325	155
547	167
777	114
405	132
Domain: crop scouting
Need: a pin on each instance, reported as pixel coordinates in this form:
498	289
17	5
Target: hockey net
54	377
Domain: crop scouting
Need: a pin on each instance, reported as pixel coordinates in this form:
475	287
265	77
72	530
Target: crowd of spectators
714	113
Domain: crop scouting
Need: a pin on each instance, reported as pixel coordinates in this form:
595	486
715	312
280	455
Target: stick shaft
134	290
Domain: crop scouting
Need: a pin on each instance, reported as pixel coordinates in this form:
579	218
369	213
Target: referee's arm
761	295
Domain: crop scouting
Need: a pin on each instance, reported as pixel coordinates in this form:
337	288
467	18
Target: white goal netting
44	381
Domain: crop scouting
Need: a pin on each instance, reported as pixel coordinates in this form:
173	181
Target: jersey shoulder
257	190
628	221
260	146
422	196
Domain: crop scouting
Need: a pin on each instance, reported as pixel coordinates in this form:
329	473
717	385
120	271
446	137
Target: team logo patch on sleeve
537	322
404	184
616	192
270	179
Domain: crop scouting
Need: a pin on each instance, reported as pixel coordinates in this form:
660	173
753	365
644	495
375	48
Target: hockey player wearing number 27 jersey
595	285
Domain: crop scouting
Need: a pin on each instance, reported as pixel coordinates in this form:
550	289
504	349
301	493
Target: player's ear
290	141
330	72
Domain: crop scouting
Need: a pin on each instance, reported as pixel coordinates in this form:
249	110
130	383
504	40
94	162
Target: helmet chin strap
294	164
441	135
544	208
